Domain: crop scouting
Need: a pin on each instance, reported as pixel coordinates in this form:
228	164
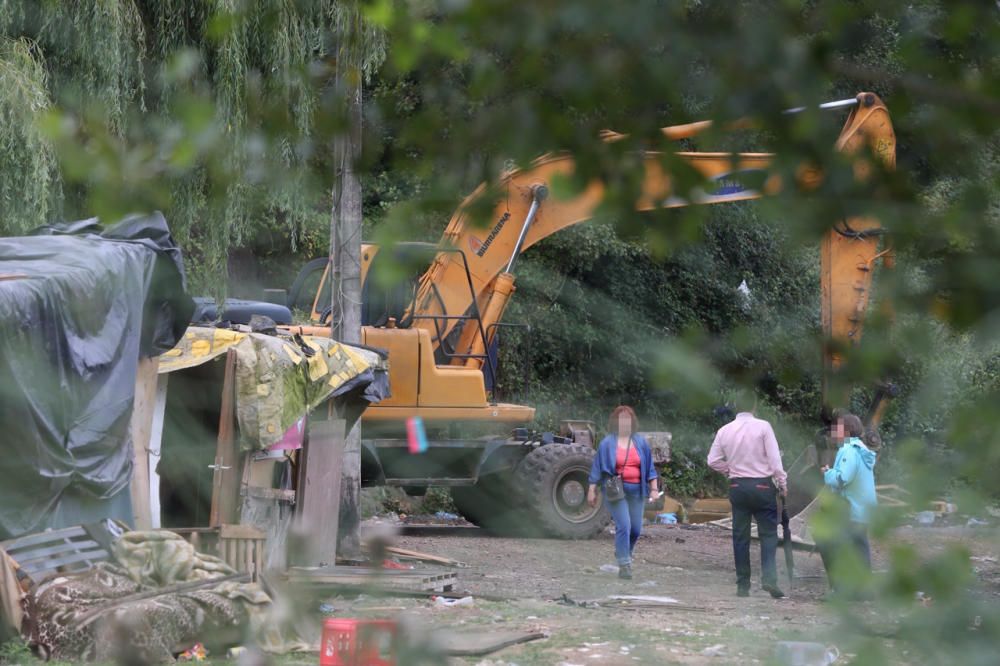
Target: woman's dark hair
852	424
613	419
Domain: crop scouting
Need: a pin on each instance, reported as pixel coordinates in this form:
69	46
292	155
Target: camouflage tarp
279	378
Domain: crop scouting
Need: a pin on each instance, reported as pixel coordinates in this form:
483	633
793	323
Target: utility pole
345	272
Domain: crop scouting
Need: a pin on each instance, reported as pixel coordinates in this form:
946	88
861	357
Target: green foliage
29	182
15	651
688	475
215	112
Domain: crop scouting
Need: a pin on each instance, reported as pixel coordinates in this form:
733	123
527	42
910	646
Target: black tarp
79	305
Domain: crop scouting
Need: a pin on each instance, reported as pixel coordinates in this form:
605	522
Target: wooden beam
227	469
155	442
318	502
140	428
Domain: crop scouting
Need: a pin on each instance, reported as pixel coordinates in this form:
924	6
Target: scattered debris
476	643
392	564
714	650
925	517
803	653
609	568
445	602
975	522
197	652
444	515
640	597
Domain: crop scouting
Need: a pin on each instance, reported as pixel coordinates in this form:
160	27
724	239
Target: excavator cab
389	286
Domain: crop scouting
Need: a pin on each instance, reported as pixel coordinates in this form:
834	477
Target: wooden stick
425	557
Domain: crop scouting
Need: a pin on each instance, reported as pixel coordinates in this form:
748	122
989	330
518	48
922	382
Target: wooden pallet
45	554
414	580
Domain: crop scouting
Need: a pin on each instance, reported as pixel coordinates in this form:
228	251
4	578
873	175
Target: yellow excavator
439	325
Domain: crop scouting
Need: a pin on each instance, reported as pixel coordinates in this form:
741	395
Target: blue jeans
754	499
627	514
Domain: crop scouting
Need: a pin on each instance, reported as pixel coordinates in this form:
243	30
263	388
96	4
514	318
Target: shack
116	412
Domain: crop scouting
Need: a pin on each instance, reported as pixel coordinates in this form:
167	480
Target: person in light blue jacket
852	478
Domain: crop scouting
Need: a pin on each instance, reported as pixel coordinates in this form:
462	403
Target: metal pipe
839	104
538	195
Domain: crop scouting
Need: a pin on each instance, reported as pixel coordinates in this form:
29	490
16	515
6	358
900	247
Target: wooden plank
425	557
155	441
140	428
240	532
318	503
478	643
226	476
272	494
71	547
42	537
52	564
352	577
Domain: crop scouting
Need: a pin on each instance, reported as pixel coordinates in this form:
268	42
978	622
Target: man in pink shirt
746	451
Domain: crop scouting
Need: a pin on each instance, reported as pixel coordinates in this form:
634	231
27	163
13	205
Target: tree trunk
345	319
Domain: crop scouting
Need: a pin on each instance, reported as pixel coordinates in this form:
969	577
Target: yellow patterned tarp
278	378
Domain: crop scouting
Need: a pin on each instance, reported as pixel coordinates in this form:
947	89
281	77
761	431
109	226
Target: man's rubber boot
773	590
625	571
743	591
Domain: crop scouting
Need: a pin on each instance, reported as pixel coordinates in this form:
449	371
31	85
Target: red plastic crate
352	642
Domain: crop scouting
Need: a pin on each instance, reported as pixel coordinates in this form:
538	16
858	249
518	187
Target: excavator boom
525	215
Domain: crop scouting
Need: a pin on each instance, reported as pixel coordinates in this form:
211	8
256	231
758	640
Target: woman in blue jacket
624	452
852	478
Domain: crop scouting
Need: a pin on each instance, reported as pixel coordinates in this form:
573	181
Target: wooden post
227	471
140	428
318	503
155	443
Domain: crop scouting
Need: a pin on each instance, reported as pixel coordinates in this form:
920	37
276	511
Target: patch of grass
16	651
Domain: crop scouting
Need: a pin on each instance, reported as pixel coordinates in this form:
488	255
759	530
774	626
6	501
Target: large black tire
552	484
490	503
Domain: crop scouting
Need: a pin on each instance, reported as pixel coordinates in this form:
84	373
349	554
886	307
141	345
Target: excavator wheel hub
572	493
569	497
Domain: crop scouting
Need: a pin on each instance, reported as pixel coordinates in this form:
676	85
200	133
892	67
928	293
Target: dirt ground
692	564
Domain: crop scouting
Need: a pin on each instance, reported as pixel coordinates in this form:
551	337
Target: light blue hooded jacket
852	477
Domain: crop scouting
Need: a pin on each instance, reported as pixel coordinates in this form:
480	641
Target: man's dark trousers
757	499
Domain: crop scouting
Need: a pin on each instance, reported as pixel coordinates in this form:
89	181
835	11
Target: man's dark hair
745	400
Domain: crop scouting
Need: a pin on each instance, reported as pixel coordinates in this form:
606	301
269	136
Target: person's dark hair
745	400
613	419
852	424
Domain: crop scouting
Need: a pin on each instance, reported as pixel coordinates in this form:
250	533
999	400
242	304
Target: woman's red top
628	467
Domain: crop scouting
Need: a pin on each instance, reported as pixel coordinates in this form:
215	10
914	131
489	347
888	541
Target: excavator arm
485	258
